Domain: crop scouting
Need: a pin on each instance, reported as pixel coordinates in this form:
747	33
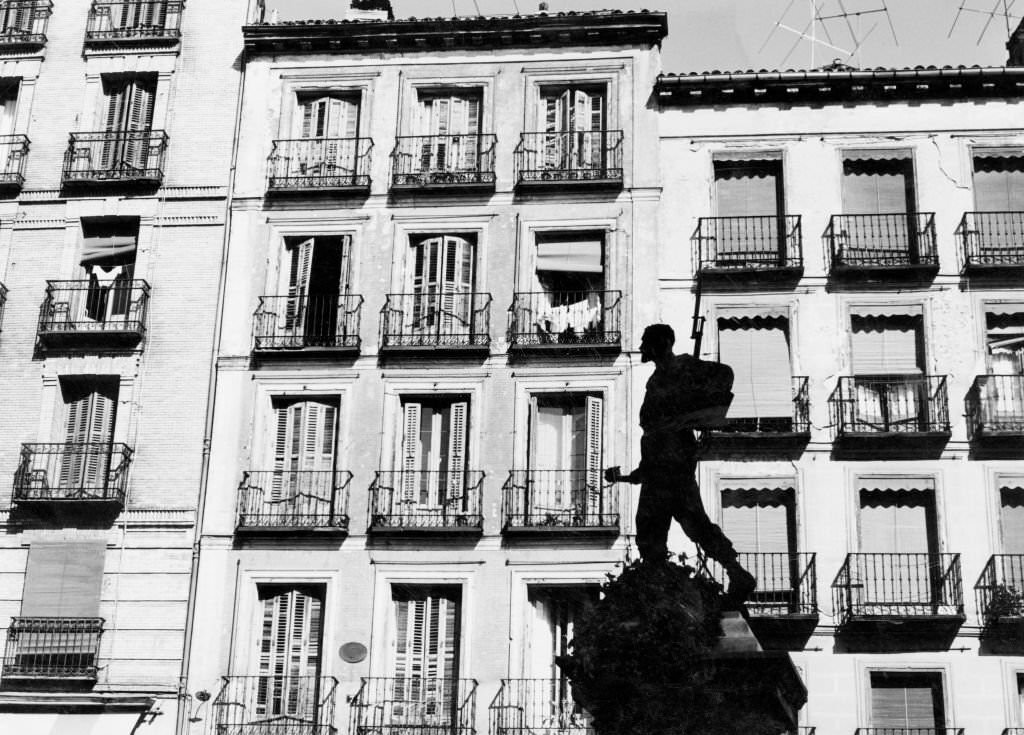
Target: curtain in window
888	361
289	653
425	657
899	522
757	349
1011	519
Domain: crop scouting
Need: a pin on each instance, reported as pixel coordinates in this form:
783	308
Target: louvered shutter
457	285
284	476
63	580
426	284
468	155
906	701
101	435
410	451
556	125
594	458
139	123
426	649
758	353
297	304
457	449
89	433
289	652
1011	519
886	345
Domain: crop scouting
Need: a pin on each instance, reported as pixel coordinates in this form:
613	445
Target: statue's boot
741	585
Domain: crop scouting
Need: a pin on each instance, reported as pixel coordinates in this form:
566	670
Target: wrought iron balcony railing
995	405
52	648
275	704
882	241
303	322
425	500
436	320
786	583
116	157
898	585
798	423
319	164
13	154
567	500
571	156
757	243
89	472
909	731
293	500
892	404
118	21
443	161
1000	588
541	706
94	310
403	705
3	302
992	239
23	22
565	319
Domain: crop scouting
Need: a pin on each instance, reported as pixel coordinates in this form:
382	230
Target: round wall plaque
352	652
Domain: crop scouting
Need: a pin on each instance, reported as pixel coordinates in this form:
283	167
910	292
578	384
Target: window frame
310	82
900	474
413	87
900	667
526	278
911	153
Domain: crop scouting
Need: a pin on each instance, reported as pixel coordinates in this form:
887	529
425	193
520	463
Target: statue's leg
653	518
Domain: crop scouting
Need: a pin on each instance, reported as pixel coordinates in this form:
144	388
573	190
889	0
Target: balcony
882	246
427	503
113	23
120	157
23	24
546	502
52	649
1000	595
906	595
320	165
992	243
769	434
784	606
537	707
13	154
73	474
893	413
275	705
90	313
307	325
565	322
293	502
405	705
995	412
3	301
443	163
591	159
909	730
742	250
429	323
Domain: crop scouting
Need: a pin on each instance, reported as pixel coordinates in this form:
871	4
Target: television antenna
820	29
1001	8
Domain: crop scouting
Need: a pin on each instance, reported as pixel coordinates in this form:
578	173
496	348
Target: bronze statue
684	393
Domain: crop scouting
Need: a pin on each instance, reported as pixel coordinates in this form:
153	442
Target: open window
303	448
907	700
315	279
109	247
1004	339
570	277
327	129
434	453
754	342
448	124
573	119
441	281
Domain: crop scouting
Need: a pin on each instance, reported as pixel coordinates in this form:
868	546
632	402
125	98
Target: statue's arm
614	474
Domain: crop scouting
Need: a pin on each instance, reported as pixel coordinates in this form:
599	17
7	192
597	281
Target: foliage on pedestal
639	658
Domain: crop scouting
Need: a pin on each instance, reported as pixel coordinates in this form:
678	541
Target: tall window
878	182
303	453
90	407
434	451
442	277
761	522
570	304
998	180
573	119
129	102
450	124
108	263
315	275
289	650
755	344
1011	517
749	198
907	700
328	116
888	362
8	105
1004	339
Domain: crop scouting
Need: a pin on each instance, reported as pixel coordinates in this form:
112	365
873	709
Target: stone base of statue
657	656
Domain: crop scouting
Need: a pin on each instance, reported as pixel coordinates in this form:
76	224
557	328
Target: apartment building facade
115	145
427	358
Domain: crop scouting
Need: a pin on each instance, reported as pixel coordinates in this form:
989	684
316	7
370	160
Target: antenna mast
825	18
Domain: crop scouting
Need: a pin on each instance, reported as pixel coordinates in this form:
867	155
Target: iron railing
420	161
570	156
756	242
1000	588
306	164
13	154
293	499
899	404
414	705
898	585
23	22
3	302
52	648
541	706
94	308
787	583
995	404
909	731
426	500
134	20
565	318
436	320
992	239
73	472
116	156
798	423
275	704
298	322
882	240
559	499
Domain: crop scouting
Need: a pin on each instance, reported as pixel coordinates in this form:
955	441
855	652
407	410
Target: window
907	700
331	115
755	344
90	408
315	277
434	450
289	642
108	263
1011	517
573	119
449	123
129	118
898	518
442	280
303	453
571	287
891	393
8	105
878	182
425	649
761	523
1004	339
998	179
749	201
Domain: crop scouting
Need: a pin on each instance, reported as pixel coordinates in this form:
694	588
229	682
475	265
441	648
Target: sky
750	34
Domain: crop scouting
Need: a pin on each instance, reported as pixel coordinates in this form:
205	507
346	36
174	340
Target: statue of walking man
680	395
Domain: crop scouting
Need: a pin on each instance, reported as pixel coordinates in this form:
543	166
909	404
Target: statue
684	393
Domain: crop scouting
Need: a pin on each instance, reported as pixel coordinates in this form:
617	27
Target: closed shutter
758	521
877	186
1011	519
999	183
442	281
304	445
89	432
425	655
63	580
887	345
594	458
289	651
757	350
457	450
906	700
896	521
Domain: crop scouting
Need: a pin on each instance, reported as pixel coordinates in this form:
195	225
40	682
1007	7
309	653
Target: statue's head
656	341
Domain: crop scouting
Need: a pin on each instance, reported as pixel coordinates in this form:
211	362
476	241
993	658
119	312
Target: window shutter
877	187
283	416
426	639
594	459
1011	519
758	352
317	443
289	648
117	94
308	110
906	701
886	345
63	580
90	421
457	448
895	522
410	451
761	528
745	188
101	433
143	96
301	267
999	183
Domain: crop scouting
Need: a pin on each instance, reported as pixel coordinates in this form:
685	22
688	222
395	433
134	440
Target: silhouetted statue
684	393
